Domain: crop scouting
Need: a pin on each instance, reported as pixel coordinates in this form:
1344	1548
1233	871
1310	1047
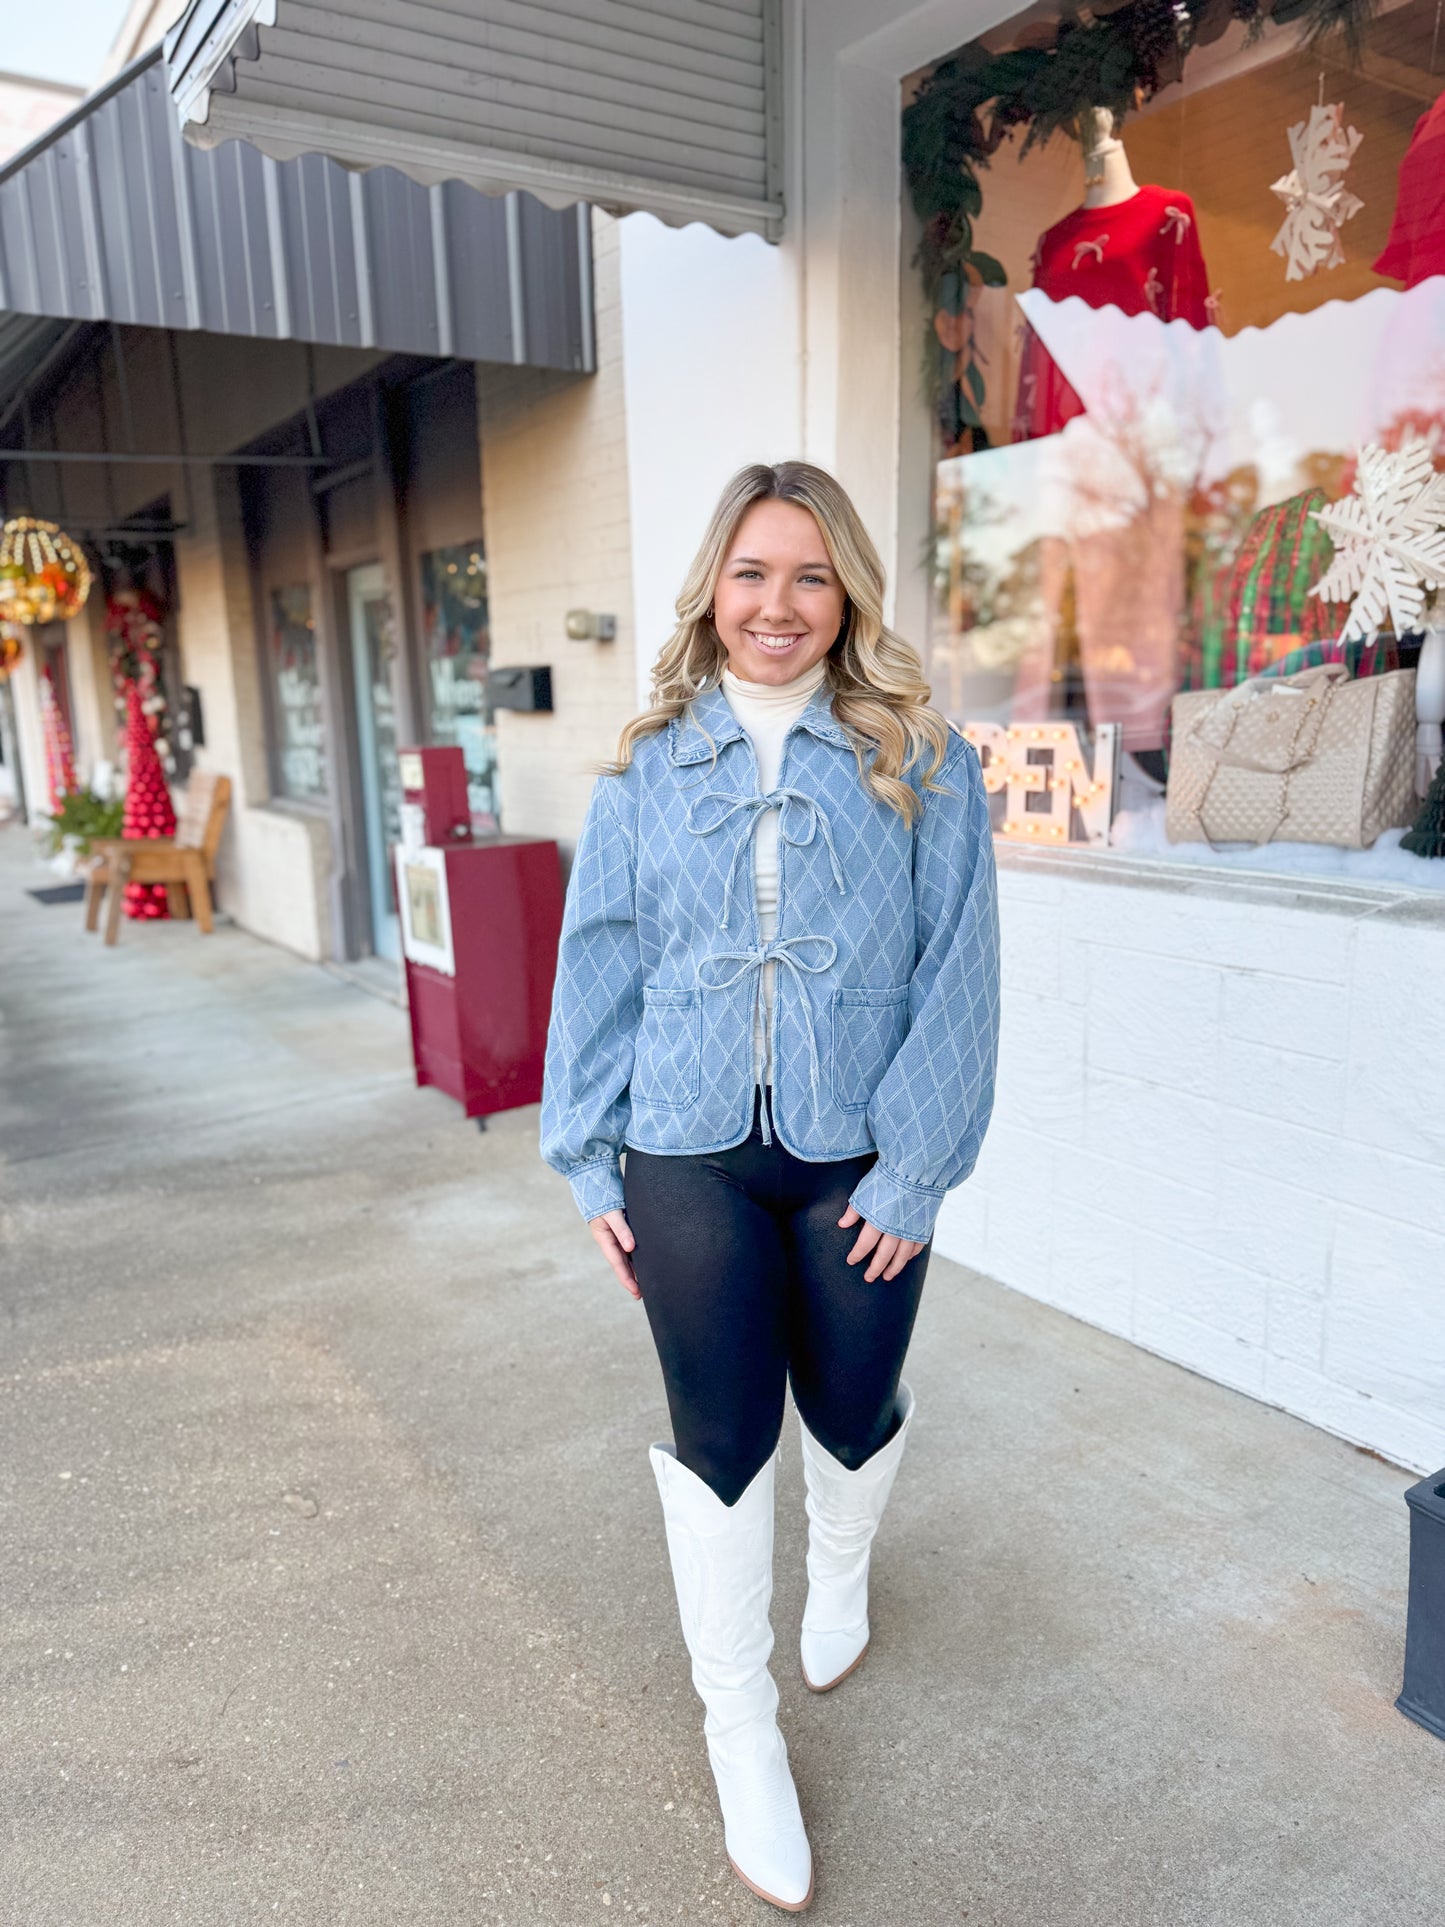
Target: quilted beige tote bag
1310	758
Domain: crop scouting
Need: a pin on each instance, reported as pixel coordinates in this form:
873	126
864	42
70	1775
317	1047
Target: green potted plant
82	817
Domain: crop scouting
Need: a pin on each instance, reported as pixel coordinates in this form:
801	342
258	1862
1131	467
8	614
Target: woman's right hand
614	1234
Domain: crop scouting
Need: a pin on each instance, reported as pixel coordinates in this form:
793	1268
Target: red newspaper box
480	922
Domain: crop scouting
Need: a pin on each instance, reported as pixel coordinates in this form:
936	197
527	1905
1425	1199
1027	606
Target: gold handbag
1309	758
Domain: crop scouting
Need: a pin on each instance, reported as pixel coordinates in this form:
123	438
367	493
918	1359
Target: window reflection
1160	375
457	646
301	767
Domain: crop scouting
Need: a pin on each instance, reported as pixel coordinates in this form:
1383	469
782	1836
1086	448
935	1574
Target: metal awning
111	216
669	105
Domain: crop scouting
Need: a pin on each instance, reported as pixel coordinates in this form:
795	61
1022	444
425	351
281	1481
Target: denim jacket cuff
597	1187
894	1205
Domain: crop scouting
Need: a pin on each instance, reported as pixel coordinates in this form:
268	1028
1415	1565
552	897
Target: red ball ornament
148	811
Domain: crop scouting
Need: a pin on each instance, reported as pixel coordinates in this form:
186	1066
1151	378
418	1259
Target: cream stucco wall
559	536
92	700
274	862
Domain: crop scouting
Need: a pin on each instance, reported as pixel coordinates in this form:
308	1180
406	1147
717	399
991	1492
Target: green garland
974	101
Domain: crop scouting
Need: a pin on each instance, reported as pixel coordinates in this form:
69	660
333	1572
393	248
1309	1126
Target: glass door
373	653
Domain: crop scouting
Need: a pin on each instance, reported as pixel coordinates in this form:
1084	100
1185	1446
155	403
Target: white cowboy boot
843	1512
722	1567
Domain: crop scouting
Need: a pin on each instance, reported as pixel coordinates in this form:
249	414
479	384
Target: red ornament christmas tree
148	810
59	756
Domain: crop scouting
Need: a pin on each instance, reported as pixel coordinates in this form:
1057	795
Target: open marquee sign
1050	784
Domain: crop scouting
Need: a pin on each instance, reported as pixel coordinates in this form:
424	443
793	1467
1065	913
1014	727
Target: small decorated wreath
44	577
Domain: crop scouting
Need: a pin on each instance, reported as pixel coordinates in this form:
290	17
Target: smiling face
779	603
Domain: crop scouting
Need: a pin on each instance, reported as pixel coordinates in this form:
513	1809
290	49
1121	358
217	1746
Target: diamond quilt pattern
868	1027
886	1007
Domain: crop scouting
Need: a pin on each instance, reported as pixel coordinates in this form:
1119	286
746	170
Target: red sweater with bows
1141	254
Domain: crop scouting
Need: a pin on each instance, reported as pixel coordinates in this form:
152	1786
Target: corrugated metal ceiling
669	105
112	216
25	345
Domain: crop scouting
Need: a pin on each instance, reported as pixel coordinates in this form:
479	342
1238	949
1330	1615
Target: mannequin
1135	249
1108	177
1127	247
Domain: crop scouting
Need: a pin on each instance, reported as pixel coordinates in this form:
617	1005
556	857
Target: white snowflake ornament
1317	202
1389	540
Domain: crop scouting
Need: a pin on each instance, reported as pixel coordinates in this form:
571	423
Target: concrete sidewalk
334	1586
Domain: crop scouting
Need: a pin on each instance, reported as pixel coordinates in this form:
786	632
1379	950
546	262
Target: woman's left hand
890	1254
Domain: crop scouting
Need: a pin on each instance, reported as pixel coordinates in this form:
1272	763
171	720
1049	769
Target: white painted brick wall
1220	1133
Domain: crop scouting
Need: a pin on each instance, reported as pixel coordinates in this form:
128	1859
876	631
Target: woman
778	991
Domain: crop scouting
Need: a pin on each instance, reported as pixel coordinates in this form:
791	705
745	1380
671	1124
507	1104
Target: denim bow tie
780	952
708	813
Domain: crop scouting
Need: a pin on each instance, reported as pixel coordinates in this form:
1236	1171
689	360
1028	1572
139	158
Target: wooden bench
185	863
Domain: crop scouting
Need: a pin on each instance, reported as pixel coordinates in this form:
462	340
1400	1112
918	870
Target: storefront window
295	680
454	623
1161	350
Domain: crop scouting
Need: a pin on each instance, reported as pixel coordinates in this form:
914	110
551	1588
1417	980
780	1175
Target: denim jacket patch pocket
667	1070
868	1028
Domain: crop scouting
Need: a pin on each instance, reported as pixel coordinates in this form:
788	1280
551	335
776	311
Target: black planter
1422	1698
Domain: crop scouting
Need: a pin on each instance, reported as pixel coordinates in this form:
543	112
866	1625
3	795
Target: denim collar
710	710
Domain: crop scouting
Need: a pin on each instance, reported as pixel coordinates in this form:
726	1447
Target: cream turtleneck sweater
767	711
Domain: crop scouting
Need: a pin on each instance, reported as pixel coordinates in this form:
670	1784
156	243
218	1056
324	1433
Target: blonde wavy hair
879	694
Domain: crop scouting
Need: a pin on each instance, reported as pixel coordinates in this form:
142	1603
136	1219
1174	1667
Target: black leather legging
744	1277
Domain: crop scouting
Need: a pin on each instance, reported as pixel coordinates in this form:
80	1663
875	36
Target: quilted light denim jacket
886	1000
